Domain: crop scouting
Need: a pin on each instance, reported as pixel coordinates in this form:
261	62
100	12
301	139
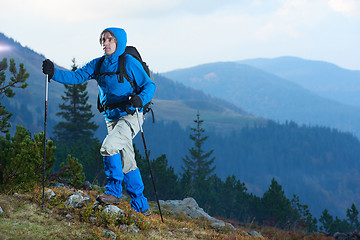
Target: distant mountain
267	95
176	102
323	78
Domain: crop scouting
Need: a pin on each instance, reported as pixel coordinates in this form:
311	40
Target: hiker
119	101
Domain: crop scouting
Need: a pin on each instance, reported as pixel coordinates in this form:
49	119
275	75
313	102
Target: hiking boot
108	199
146	213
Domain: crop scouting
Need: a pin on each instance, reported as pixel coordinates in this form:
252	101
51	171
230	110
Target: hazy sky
173	34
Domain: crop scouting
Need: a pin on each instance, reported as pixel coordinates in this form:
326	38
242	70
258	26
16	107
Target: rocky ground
75	214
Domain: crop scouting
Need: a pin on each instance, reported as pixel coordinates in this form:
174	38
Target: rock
96	204
92	219
231	226
1	211
356	235
79	193
188	206
87	200
343	236
255	233
49	194
133	228
218	224
340	236
129	228
113	210
191	209
87	185
74	200
109	234
57	185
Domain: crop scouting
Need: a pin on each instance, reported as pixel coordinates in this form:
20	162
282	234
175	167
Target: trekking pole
148	160
45	121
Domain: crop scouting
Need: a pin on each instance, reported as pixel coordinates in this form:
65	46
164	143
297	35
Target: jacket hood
121	38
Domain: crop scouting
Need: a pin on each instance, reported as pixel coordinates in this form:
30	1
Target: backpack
121	74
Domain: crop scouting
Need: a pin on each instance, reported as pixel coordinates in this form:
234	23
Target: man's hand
48	68
136	101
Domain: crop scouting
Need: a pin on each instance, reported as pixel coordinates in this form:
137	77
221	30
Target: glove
136	101
48	68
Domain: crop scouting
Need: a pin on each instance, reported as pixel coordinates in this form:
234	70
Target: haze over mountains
324	79
259	86
229	96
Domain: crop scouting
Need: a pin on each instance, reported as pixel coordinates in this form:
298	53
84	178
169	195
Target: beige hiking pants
119	139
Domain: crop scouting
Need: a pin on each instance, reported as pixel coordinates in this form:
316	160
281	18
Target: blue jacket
110	90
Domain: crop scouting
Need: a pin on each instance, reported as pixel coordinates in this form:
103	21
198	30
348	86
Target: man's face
108	42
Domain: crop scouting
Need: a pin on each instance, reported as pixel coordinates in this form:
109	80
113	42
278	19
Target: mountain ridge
267	95
324	78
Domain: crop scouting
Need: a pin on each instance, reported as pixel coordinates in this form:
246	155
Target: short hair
112	34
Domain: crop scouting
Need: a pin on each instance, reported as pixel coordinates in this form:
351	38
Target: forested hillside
319	164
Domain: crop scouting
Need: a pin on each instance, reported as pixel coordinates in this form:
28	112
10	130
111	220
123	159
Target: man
122	124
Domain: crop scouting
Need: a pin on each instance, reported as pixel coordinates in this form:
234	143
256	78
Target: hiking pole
148	160
45	121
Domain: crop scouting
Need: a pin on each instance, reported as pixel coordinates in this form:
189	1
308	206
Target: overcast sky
172	34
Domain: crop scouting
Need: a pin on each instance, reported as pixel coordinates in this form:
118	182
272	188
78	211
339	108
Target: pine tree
326	220
18	80
353	216
198	167
75	135
21	159
197	163
77	114
276	206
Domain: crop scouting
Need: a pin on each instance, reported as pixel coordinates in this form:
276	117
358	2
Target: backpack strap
97	69
98	66
122	71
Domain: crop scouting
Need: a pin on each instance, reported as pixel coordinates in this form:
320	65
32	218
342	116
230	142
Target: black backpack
121	74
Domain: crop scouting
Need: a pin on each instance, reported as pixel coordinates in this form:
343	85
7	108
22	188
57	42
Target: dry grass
25	218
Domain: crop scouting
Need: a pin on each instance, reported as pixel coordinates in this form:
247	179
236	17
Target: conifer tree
75	135
17	80
197	166
353	216
276	206
198	163
21	159
77	114
326	220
